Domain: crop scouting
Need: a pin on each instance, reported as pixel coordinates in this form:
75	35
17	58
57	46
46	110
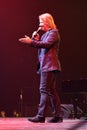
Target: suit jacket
48	48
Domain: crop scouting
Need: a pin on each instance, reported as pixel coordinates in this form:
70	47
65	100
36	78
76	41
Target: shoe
56	120
37	119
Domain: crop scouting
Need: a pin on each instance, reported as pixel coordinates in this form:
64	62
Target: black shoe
37	119
56	120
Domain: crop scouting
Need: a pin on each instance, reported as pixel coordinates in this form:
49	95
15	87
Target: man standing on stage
49	66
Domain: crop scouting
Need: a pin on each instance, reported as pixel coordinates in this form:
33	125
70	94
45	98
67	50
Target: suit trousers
48	84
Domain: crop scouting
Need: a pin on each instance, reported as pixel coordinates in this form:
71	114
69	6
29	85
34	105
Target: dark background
18	61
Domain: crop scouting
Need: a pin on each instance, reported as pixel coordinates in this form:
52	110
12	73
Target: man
49	66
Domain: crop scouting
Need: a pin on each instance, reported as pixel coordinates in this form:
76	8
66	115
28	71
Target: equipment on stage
77	92
75	86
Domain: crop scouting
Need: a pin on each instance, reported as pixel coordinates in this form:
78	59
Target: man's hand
35	36
26	39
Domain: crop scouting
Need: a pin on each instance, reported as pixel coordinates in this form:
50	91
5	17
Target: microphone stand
21	102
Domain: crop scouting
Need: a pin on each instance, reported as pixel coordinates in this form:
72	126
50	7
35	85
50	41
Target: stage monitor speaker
68	111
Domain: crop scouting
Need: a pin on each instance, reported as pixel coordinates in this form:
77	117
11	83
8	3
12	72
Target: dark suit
48	51
48	48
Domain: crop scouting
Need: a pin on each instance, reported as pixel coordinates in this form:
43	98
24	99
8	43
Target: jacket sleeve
47	40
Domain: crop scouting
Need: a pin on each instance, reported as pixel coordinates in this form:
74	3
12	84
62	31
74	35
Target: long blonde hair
48	19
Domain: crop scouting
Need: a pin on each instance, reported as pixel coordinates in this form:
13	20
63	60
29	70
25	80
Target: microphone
38	29
35	33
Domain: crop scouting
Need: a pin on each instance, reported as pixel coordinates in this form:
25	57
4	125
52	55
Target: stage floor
24	124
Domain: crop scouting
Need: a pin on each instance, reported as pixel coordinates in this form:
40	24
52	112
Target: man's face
43	25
